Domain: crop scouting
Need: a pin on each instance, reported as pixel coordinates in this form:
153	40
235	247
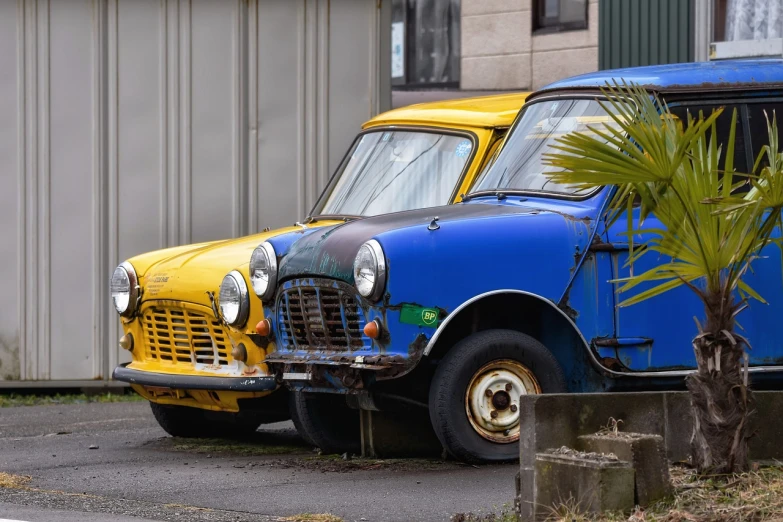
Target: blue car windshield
395	170
519	165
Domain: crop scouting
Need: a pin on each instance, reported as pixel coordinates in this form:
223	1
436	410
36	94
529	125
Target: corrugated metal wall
132	125
644	32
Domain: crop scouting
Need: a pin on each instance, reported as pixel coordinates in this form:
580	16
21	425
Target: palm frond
681	174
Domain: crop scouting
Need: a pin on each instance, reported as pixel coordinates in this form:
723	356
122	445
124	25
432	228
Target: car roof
679	77
483	111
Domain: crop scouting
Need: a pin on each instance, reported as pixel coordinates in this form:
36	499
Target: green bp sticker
419	315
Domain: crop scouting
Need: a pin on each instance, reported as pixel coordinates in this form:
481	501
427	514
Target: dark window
742	162
425	43
559	15
757	123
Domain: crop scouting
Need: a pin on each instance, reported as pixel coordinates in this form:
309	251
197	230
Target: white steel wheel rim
492	399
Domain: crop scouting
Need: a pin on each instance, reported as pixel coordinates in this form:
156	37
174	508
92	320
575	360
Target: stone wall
500	50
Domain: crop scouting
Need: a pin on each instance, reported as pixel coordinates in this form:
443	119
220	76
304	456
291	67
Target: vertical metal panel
625	35
655	32
67	192
132	125
345	77
215	73
634	26
645	32
313	96
111	214
141	173
12	189
279	112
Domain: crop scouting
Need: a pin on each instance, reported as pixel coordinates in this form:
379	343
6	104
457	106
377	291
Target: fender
442	328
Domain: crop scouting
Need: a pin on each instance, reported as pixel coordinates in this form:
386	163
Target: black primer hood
330	251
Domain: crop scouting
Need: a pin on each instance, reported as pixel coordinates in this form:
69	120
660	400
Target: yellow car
197	340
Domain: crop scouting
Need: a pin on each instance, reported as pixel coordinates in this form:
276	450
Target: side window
757	124
741	161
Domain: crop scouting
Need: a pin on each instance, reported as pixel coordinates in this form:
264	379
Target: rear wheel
474	395
326	421
183	421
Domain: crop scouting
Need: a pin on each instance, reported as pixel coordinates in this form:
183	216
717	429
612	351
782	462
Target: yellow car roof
497	110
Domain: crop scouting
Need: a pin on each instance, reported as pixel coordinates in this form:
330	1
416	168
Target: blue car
463	309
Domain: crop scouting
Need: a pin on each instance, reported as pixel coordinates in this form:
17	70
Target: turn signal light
239	353
126	342
372	329
263	328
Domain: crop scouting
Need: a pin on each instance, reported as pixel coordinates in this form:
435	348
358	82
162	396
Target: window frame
735	49
541	26
407	81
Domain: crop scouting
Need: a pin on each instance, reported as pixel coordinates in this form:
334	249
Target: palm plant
713	229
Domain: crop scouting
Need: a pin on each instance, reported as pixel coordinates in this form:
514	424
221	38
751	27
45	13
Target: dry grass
504	516
755	496
249	447
13	481
313	517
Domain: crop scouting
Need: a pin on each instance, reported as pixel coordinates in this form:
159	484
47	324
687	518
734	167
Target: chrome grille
182	337
320	318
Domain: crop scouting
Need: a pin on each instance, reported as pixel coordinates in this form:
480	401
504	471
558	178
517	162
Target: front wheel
326	421
183	421
474	395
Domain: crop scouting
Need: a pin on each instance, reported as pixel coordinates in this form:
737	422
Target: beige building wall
500	51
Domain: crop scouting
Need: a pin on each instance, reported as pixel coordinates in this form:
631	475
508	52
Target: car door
656	334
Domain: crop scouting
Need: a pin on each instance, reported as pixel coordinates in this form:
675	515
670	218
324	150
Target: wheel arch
525	312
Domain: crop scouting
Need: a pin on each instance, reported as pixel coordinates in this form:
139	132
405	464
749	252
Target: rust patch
416	348
565	307
613	364
568	217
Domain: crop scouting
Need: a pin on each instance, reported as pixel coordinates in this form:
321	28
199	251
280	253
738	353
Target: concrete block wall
501	52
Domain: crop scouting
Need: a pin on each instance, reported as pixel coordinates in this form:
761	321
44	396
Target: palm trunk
720	398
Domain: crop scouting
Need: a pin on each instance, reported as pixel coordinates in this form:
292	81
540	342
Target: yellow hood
188	272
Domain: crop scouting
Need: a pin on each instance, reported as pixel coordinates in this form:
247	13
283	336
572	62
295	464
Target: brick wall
499	50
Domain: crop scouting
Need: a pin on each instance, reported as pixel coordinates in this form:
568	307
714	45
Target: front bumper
194	382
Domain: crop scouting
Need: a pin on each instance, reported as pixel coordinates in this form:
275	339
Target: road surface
111	462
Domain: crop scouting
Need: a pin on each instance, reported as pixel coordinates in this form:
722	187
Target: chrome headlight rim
133	293
379	258
244	300
266	249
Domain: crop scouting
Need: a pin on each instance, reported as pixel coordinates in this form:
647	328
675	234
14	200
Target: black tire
326	421
294	412
182	421
449	387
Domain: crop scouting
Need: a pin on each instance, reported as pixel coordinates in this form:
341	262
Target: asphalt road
134	471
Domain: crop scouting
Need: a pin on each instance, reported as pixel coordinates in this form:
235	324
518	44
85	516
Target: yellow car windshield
391	171
519	165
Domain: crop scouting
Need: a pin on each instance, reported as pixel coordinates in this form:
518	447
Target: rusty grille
320	318
182	337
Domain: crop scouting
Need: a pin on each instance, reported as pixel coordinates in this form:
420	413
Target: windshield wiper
499	193
325	217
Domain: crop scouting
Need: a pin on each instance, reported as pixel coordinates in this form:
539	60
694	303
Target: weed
23	399
13	481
